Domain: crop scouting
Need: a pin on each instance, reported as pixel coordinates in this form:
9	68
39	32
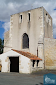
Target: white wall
5	60
24	65
24	62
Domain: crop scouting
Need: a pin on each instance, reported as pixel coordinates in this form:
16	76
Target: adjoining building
29	44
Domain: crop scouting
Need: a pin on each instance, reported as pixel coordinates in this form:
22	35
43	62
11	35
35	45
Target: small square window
46	14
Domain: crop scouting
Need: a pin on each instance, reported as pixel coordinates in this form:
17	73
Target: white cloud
9	7
6	26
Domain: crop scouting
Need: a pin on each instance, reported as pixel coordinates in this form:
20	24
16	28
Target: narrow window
21	16
20	19
29	16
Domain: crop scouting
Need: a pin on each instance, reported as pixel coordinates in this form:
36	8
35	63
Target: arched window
25	41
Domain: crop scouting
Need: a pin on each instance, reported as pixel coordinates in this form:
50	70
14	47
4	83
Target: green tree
1	45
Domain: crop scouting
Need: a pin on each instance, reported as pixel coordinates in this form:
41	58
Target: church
29	44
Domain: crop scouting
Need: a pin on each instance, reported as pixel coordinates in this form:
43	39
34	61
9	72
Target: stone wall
34	29
6	38
50	53
6	41
48	28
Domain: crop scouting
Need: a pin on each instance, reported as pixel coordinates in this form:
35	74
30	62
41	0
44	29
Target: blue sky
1	30
9	7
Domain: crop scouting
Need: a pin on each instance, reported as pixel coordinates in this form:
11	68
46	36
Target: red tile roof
27	54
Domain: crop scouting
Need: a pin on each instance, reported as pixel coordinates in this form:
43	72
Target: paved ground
35	78
20	79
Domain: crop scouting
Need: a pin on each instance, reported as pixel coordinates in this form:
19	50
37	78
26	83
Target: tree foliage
1	45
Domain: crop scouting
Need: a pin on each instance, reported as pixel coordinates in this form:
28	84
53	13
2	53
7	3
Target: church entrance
14	64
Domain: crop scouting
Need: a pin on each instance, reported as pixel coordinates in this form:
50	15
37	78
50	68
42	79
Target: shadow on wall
39	84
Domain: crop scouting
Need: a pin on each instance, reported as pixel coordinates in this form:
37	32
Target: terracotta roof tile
27	54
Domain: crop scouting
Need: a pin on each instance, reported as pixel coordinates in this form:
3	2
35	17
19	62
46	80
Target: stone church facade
31	32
